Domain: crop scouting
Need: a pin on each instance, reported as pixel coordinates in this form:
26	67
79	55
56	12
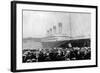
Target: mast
70	26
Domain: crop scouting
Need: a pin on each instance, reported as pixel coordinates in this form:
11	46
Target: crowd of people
56	54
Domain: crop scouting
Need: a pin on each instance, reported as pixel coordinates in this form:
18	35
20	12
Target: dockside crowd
56	54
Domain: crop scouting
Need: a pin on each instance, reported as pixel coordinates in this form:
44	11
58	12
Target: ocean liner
57	37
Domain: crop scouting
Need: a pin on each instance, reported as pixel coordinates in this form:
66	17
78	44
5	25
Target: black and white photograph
47	36
56	36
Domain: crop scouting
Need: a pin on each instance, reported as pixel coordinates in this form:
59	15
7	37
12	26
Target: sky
36	23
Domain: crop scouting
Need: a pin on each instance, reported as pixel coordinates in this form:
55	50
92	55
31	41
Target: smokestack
50	31
60	28
54	29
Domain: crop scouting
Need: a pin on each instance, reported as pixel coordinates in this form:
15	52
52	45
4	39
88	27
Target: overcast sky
36	23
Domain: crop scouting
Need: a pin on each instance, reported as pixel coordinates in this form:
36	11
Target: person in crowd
57	54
